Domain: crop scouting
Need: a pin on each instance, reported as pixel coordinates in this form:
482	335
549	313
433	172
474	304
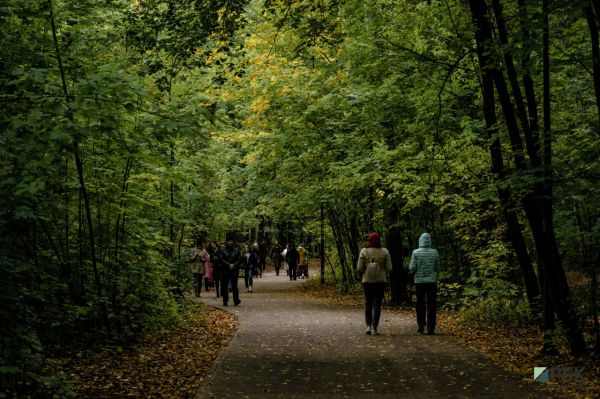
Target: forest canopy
131	128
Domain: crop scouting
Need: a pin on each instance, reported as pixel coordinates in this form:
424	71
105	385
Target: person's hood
425	240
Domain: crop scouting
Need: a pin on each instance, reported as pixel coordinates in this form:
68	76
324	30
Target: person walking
230	260
197	265
425	264
283	259
208	270
374	262
276	256
214	251
250	266
262	255
291	258
303	262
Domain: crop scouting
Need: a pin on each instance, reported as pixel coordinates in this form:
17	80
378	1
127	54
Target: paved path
287	346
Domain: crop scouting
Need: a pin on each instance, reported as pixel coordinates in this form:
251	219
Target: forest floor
514	348
170	364
174	364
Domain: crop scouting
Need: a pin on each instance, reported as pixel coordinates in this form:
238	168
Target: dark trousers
373	301
217	280
225	279
293	271
426	299
197	278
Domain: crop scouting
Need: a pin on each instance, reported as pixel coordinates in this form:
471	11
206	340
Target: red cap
374	241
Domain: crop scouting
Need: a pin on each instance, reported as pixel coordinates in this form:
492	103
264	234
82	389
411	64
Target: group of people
220	266
293	260
212	265
374	263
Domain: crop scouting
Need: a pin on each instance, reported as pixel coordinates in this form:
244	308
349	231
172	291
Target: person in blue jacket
425	264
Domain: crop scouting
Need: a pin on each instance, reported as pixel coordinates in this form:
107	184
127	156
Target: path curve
289	346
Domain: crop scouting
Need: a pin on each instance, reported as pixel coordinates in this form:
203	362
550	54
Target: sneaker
250	289
247	290
368	330
375	332
420	331
237	302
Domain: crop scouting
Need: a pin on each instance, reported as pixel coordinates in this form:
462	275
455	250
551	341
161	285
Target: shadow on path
288	346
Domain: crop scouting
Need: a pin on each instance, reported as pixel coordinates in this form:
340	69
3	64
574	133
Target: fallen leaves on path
514	349
517	349
172	365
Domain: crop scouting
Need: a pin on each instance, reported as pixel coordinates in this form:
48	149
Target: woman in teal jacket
425	264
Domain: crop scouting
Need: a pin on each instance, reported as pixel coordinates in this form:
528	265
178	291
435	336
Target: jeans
248	277
230	277
373	302
426	298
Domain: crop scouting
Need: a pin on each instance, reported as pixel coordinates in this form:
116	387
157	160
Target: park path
289	346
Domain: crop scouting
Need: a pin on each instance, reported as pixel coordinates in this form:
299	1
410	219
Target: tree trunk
592	22
399	276
504	195
545	240
394	243
80	173
340	249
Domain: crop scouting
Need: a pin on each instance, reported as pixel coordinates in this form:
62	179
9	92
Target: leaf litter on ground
171	364
516	349
174	364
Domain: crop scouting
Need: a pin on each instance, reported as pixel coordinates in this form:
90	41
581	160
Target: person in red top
374	262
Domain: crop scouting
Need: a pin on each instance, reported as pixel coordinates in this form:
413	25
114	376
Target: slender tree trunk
120	228
354	239
592	22
545	241
322	245
548	318
394	243
80	173
340	249
514	227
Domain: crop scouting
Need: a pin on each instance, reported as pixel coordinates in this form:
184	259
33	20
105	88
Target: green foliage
144	176
212	116
450	296
500	312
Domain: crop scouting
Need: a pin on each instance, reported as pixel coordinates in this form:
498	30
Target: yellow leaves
251	42
259	105
249	159
214	56
342	75
286	89
297	73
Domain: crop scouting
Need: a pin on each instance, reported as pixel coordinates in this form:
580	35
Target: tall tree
534	202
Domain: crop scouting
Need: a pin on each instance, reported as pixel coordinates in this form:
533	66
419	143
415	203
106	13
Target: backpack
373	269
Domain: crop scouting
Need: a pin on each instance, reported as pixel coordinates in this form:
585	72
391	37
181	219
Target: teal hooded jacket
425	261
